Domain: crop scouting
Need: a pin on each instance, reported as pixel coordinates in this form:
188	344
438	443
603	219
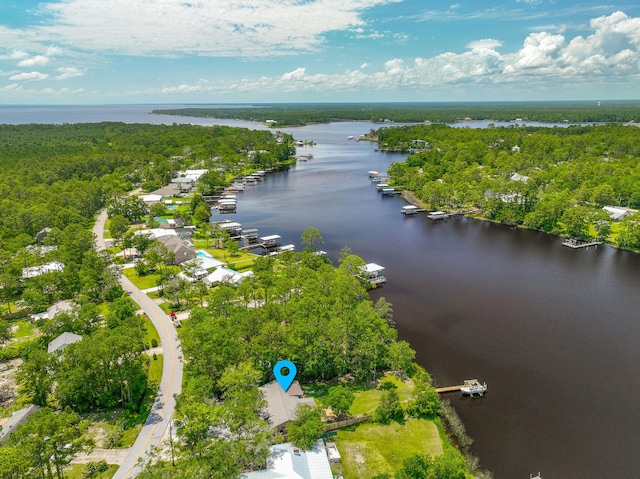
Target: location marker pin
285	380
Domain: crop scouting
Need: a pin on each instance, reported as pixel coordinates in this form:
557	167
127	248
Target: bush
92	469
389	408
114	437
154	343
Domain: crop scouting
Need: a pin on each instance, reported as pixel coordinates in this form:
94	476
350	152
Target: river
553	331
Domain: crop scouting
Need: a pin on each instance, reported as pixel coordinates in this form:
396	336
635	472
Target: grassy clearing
370	449
155	370
142	282
365	402
75	472
151	333
26	329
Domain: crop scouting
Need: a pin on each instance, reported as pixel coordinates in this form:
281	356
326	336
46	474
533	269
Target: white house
618	213
34	271
224	275
289	462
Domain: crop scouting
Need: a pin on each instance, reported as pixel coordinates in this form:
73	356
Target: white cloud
14	55
31	76
484	43
37	60
246	28
545	60
69	72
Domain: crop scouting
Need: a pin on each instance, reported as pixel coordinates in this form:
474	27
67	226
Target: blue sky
227	51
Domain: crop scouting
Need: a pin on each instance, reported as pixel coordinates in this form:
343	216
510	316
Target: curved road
161	413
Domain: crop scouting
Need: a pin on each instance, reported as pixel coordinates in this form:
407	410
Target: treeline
556	180
303	114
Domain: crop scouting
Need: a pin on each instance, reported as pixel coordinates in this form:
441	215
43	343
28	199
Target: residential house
225	275
34	271
182	249
62	341
17	418
289	462
281	404
618	213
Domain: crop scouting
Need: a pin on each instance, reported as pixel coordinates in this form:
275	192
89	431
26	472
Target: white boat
473	386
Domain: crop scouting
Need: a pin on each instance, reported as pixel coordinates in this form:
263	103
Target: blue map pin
285	380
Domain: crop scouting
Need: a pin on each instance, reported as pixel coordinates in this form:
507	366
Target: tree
339	399
14	463
306	428
389	408
400	357
118	226
576	221
35	376
157	209
202	213
49	438
310	238
425	403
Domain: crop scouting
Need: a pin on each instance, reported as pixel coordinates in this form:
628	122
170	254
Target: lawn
142	282
151	333
370	449
155	369
26	329
365	402
75	472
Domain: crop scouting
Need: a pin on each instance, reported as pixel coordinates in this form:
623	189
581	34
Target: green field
370	449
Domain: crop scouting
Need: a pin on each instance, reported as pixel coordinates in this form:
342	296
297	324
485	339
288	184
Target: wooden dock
449	389
470	386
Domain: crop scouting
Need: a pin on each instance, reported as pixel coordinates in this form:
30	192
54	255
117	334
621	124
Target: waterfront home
618	213
182	250
281	404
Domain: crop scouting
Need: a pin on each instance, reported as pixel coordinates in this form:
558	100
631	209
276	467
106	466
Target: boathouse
271	241
410	210
437	215
372	273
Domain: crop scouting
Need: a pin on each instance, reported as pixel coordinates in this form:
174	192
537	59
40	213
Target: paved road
171	383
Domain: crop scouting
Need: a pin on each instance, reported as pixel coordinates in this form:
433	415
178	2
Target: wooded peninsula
297	114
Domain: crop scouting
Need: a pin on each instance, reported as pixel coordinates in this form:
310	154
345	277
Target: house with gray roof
62	341
281	404
16	419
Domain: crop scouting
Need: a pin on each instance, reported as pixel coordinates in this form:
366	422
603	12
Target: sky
265	51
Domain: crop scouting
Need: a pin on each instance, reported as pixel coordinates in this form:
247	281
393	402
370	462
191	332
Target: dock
575	244
470	387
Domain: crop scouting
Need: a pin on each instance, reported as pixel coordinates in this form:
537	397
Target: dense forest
302	114
555	180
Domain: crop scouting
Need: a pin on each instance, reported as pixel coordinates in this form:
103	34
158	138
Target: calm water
553	331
